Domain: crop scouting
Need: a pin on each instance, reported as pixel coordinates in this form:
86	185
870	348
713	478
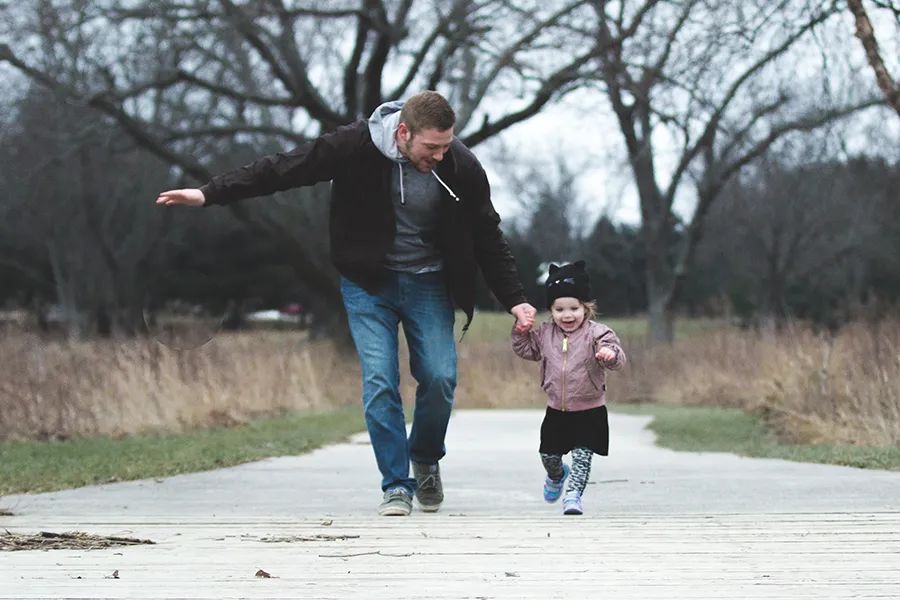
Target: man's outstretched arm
307	164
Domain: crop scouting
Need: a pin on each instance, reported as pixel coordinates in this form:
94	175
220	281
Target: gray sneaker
429	491
397	503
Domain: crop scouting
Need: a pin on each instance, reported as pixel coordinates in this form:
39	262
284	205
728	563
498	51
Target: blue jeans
422	304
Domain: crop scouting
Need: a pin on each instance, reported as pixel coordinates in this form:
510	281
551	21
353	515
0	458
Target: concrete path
658	524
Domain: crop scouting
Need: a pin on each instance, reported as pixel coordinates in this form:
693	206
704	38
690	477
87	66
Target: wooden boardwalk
445	556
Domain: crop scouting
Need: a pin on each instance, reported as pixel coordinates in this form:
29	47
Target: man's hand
524	314
188	197
606	355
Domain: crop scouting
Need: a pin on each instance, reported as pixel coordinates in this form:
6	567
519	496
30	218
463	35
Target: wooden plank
672	556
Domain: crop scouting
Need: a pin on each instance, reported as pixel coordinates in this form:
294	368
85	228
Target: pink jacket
570	373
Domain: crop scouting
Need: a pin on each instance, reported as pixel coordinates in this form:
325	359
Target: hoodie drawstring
446	187
402	196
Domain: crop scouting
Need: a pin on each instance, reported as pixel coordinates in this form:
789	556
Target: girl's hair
590	309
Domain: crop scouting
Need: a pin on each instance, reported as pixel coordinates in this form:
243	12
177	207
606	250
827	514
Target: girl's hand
524	314
523	327
605	355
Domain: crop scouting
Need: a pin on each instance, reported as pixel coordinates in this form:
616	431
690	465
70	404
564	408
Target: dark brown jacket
362	222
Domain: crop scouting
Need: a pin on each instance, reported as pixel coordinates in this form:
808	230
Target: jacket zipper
565	349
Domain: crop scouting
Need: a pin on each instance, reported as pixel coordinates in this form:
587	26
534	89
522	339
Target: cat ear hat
568	281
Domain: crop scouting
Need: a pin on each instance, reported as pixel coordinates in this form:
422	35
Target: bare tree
88	237
808	237
709	88
187	79
866	34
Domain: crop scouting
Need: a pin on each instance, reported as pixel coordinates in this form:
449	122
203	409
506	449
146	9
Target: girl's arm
608	339
527	344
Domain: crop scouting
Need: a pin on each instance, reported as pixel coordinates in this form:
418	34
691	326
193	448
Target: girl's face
567	313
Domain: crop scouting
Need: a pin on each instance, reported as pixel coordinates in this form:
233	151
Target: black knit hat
568	281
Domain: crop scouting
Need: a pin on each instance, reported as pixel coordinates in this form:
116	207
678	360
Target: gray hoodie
416	197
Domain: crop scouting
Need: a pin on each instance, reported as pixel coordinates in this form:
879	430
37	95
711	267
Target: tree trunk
661	323
659	293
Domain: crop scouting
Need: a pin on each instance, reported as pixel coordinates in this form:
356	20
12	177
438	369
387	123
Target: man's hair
427	110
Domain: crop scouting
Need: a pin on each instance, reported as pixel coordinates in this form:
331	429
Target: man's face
426	148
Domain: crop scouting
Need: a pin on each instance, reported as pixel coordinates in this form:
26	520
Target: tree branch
806	123
712	125
650	74
378	56
301	88
716	177
866	35
351	75
556	84
508	55
180	76
741	134
220	132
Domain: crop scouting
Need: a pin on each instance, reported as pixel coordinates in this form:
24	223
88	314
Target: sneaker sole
573	511
566	472
394	511
552	500
428	507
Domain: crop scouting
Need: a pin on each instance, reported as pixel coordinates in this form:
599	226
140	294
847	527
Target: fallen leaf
263	574
511	574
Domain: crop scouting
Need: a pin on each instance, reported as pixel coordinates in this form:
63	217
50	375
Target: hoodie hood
383	128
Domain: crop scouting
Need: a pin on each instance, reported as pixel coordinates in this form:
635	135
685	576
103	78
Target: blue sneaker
572	504
553	489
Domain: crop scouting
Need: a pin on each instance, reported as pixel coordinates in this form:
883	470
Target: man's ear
403	131
553	268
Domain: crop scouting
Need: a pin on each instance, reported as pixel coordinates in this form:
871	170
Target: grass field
713	429
44	466
73	413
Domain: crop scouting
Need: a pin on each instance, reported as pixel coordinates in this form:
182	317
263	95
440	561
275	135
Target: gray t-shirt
416	197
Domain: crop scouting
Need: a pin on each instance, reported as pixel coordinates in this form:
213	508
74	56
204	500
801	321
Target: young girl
574	352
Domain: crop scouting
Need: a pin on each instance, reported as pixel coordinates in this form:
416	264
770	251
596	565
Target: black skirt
563	430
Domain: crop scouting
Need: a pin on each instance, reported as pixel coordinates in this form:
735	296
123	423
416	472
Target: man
411	222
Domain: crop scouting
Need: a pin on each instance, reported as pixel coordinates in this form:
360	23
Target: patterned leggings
581	468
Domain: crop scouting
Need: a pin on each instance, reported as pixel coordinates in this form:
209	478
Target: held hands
524	314
606	355
187	197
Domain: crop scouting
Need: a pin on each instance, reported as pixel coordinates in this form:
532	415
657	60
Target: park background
728	170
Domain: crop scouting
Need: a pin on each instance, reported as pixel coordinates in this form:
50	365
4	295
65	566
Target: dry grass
61	389
812	388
